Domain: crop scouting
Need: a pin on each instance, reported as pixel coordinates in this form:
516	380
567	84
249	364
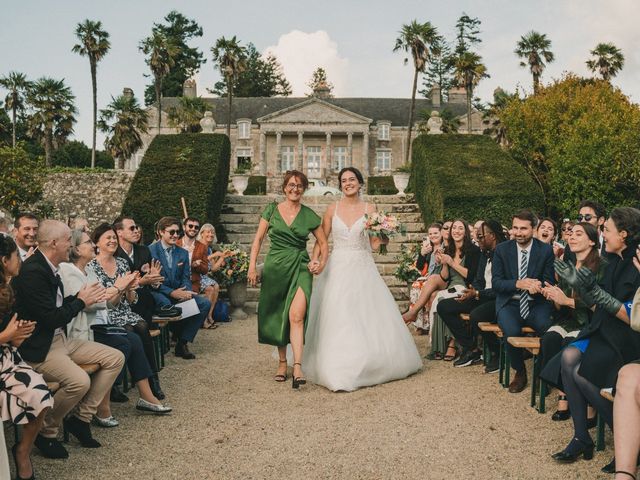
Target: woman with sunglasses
565	230
288	273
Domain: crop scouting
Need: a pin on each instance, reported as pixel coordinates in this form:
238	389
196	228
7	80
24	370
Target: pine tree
439	73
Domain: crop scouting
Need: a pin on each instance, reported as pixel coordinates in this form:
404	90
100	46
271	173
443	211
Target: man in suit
25	231
520	269
198	257
177	286
40	297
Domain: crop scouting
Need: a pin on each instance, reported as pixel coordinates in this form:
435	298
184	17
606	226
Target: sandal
450	358
434	356
625	473
281	377
297	381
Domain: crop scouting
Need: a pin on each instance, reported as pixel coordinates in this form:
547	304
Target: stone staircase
240	216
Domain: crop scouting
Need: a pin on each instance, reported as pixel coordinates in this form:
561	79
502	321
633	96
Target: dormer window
384	131
244	129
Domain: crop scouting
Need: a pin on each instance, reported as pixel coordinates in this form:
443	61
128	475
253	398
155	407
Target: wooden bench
608	394
538	386
158	353
162	323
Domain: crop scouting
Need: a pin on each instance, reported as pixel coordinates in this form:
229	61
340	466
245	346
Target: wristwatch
477	294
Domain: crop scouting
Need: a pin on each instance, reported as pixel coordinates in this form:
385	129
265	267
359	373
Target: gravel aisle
231	421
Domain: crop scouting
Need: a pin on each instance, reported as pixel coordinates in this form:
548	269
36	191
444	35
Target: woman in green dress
288	273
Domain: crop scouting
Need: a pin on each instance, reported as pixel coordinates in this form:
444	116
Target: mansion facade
318	135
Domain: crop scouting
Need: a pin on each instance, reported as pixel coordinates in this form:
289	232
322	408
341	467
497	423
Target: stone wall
96	196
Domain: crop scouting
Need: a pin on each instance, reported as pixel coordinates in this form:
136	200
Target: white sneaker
157	408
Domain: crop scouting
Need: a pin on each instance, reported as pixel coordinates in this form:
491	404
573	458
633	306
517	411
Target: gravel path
232	421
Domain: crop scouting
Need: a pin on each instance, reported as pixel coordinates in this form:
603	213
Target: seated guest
520	269
426	264
177	286
25	231
546	231
459	263
571	314
4	226
565	230
24	396
446	232
595	214
79	223
40	297
475	230
108	269
592	362
207	285
478	300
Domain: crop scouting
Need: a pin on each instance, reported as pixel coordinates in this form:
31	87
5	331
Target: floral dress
23	391
120	314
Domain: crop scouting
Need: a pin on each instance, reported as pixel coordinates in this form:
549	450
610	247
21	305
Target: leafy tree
423	42
262	77
188	114
179	30
469	70
77	154
94	43
17	84
439	73
123	121
450	122
161	54
21	179
535	49
578	138
320	81
607	60
231	60
468	32
53	114
492	116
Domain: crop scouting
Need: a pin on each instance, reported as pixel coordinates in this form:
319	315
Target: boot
81	430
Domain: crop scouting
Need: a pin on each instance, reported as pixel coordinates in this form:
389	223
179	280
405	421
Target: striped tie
524	295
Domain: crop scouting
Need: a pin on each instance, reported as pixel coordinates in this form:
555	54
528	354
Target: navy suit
178	275
505	273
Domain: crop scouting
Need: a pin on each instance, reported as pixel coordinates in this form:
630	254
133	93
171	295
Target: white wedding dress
355	336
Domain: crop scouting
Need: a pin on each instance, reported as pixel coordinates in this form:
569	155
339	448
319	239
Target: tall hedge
470	177
191	165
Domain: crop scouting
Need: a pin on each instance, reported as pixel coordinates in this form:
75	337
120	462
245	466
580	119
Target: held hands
92	293
531	285
314	267
467	294
555	294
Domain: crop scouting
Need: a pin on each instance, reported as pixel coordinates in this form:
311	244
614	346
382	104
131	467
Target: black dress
612	342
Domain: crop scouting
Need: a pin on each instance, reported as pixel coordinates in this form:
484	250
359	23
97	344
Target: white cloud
300	53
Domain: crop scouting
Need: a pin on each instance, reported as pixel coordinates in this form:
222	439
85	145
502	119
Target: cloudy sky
351	39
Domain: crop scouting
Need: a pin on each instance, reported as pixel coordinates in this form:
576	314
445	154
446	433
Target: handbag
105	329
221	312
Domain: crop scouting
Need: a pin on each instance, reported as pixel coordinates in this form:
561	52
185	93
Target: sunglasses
133	228
191	226
586	218
566	229
446	228
173	232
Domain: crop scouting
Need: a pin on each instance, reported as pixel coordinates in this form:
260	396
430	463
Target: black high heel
15	461
574	450
297	381
561	415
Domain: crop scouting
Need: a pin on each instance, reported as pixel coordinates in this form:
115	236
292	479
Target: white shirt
487	274
59	297
23	253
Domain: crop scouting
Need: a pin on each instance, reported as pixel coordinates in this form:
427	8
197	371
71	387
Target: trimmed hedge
381	185
191	165
470	177
257	185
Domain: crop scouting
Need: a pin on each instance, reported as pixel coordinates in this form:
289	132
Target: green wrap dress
285	270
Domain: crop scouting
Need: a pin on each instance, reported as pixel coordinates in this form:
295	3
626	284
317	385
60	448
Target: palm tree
94	43
469	70
53	113
18	85
123	121
231	59
608	60
162	52
423	41
534	47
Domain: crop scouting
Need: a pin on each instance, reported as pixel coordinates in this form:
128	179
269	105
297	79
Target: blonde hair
206	226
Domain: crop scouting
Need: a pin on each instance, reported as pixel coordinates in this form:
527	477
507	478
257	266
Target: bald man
40	297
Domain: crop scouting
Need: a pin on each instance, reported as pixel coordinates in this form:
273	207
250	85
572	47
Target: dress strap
335	210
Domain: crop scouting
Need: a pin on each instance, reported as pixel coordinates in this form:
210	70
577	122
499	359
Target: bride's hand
313	266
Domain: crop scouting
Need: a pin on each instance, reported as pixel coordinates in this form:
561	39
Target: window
243	155
384	130
244	130
383	160
339	158
287	158
313	161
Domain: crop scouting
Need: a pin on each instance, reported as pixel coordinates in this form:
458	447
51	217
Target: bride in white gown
356	336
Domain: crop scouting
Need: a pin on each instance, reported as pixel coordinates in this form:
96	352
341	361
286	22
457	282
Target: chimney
189	88
435	96
127	93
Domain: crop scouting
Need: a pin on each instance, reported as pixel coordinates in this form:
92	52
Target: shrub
471	177
257	185
381	186
21	178
77	154
192	165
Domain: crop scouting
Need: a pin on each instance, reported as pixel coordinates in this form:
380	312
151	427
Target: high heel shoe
561	415
280	377
15	461
573	451
297	381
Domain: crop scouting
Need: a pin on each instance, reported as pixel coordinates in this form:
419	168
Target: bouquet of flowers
406	270
235	266
382	225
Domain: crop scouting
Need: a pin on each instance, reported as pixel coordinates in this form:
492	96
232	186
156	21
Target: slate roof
395	110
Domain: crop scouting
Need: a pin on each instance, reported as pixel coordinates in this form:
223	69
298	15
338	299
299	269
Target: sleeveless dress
356	335
285	270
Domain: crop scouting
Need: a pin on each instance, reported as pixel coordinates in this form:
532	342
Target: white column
263	157
365	153
328	156
300	163
350	149
279	151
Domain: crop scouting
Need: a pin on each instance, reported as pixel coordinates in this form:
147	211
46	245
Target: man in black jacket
478	300
40	298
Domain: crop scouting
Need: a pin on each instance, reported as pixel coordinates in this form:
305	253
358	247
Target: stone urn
240	182
237	298
401	181
207	123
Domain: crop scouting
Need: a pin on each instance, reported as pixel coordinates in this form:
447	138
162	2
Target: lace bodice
354	238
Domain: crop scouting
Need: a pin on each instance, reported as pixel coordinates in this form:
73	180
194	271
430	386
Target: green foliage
21	179
439	73
194	166
188	114
468	31
534	49
235	267
406	270
606	60
578	139
77	154
257	185
123	121
381	186
469	176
